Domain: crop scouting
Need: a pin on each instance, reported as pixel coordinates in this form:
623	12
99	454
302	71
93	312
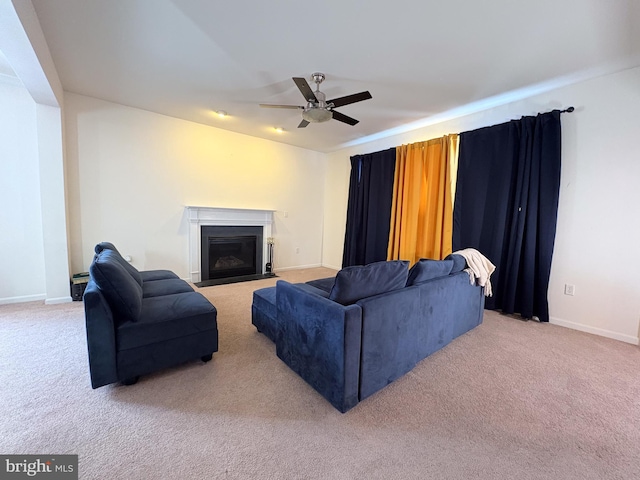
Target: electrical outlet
569	289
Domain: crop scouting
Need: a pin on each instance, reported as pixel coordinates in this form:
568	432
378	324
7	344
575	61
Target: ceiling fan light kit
316	114
318	109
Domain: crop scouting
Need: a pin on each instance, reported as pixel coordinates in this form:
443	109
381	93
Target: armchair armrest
319	339
101	337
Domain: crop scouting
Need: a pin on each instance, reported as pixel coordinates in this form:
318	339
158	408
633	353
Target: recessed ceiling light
278	129
221	113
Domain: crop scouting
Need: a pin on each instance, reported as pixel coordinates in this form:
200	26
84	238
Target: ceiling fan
318	109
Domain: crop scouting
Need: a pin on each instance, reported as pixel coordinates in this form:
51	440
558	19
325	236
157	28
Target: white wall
598	231
23	44
53	203
130	174
22	266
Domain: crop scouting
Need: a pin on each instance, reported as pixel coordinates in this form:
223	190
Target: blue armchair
141	322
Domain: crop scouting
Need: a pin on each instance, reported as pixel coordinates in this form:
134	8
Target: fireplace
235	222
229	251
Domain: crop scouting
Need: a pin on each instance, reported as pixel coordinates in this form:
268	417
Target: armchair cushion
123	293
140	276
357	282
105	246
153	275
133	271
165	286
168	317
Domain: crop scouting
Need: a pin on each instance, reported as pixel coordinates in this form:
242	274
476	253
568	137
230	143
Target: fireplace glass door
232	256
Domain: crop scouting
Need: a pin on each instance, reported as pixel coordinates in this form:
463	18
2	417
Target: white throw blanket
479	268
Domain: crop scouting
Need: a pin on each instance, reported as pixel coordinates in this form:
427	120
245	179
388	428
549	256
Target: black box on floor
78	284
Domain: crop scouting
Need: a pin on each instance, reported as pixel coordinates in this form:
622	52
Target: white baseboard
23	299
35	298
596	331
55	301
332	267
297	267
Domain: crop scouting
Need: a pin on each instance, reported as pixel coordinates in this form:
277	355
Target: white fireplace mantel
214	216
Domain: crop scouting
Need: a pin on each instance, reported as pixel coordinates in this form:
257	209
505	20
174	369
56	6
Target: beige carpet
508	400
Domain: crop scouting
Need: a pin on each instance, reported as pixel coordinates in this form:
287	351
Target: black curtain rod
567	110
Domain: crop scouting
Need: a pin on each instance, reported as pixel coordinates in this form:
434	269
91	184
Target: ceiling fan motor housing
317	112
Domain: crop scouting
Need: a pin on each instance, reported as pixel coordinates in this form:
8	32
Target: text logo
50	467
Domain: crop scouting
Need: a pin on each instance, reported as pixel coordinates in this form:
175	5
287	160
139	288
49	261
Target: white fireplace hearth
233	217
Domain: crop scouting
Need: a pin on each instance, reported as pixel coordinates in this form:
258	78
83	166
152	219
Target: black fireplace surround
230	252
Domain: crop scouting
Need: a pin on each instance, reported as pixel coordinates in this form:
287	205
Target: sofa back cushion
357	282
425	269
122	292
105	246
459	262
133	271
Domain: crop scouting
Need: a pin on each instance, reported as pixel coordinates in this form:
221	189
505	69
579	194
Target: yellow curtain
454	143
422	208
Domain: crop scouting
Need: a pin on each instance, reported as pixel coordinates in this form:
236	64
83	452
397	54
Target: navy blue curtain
369	208
506	207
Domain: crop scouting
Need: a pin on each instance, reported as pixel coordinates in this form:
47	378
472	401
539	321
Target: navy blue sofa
141	322
352	335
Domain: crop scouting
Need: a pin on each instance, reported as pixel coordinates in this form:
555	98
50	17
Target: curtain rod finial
568	110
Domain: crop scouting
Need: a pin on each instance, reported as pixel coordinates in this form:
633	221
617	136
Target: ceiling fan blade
343	118
305	89
265	105
303	124
356	97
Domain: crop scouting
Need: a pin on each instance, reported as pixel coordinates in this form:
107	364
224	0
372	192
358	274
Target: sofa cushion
264	299
133	271
153	275
264	312
325	284
105	246
122	292
356	282
167	286
168	317
459	262
426	269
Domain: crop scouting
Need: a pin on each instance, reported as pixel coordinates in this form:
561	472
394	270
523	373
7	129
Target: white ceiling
418	58
5	67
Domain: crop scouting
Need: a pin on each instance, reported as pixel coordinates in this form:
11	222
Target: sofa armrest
320	340
101	337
